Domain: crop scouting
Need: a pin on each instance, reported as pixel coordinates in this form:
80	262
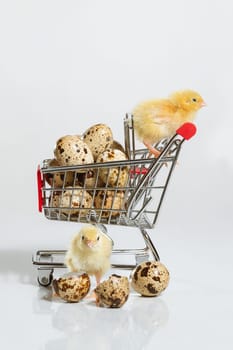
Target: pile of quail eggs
148	279
95	145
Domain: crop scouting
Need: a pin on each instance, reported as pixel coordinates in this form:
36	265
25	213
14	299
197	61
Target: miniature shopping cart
133	200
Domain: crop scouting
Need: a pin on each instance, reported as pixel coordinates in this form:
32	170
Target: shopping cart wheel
45	277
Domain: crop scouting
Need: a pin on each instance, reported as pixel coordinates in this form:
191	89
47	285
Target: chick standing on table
90	251
155	120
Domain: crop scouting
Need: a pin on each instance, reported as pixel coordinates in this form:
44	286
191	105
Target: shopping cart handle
187	130
39	186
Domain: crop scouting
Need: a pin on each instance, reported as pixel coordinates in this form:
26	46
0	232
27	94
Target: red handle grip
187	130
39	187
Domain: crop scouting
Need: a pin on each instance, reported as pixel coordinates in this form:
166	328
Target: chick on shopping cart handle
157	119
90	251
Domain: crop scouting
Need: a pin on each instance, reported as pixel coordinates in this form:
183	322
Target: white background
66	65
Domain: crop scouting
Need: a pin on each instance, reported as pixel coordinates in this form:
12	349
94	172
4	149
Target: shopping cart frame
143	171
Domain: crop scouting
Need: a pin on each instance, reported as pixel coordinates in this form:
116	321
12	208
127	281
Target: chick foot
152	150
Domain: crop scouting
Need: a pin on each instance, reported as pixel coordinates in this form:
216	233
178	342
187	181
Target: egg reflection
131	327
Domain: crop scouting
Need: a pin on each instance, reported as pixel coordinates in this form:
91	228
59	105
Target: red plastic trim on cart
187	130
39	186
138	171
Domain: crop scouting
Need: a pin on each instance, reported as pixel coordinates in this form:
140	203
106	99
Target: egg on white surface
98	137
72	150
114	292
150	278
72	288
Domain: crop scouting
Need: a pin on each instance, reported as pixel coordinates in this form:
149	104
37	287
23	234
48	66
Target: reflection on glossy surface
131	327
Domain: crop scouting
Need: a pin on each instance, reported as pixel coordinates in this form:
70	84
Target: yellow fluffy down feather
90	251
157	119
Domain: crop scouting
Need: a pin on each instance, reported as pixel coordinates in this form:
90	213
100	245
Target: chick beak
90	243
203	104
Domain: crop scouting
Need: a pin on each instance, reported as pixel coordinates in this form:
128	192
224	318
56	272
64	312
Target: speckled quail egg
98	137
150	278
116	145
115	175
72	201
72	150
72	288
60	178
111	200
89	179
54	200
114	292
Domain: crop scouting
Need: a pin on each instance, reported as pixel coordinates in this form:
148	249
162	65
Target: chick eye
98	238
82	238
194	100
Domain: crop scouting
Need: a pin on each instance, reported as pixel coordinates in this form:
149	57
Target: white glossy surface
66	65
195	311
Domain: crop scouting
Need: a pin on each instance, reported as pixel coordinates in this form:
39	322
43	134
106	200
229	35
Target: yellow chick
155	120
90	251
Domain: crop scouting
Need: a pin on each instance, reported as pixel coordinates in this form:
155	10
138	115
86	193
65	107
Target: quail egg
72	288
72	201
98	137
111	200
114	292
60	178
89	180
117	145
72	150
115	175
150	278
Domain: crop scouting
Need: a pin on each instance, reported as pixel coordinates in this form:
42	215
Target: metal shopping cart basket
133	200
